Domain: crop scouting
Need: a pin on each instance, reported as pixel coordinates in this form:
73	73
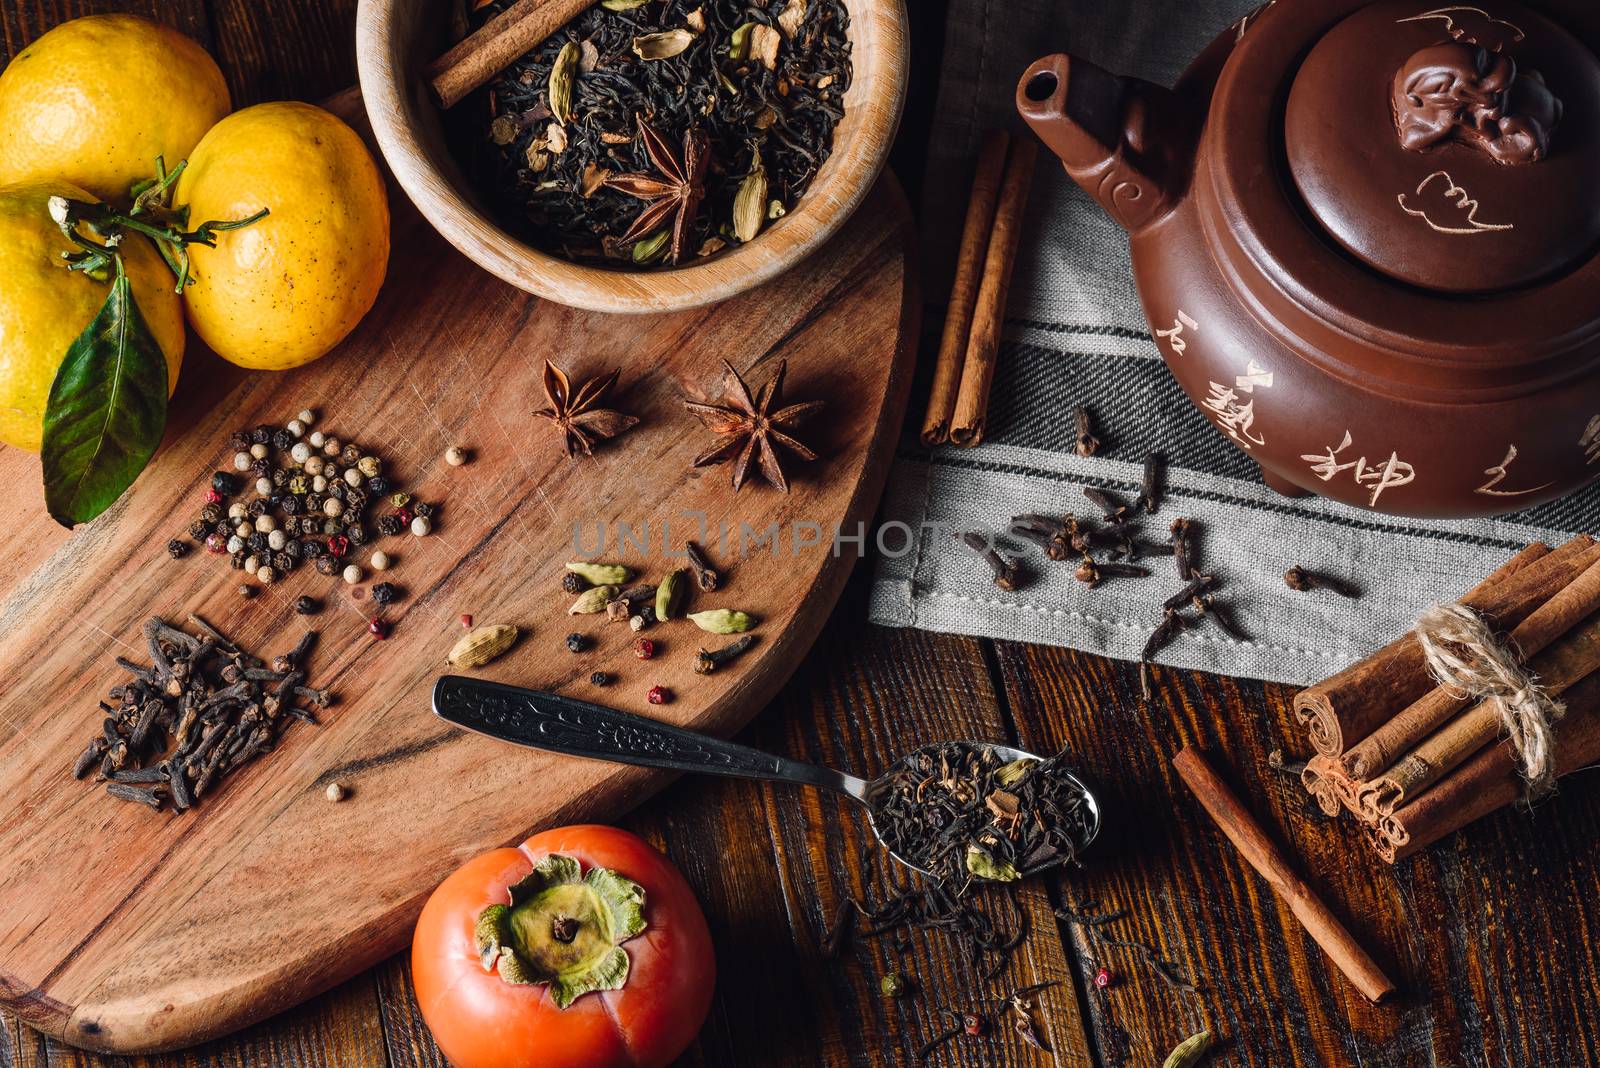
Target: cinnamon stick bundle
1392	740
964	292
1490	781
988	317
1348	707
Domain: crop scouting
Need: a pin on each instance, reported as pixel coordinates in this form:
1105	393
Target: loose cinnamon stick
964	293
495	44
1269	861
1391	741
1566	663
1490	781
1348	707
988	317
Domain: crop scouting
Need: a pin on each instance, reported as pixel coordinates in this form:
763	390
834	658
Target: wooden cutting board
123	929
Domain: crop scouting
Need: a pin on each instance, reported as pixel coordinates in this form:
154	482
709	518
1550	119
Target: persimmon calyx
563	928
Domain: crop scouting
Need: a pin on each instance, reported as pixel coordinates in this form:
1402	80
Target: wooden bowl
395	39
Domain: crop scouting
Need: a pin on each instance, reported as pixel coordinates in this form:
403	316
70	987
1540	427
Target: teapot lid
1452	148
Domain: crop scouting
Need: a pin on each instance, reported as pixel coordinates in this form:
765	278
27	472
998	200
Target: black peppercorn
239	441
291	505
223	527
257	541
350	454
577	643
390	525
331	527
600	678
211	513
294	549
236	560
336	490
246	590
378	485
256	508
314	502
422	510
355	498
327	565
199	529
572	582
385	593
284	562
261	468
280	478
307	606
282	440
224	483
356	533
312	549
177	549
261	435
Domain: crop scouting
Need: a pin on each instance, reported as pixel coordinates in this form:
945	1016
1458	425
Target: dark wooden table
1491	936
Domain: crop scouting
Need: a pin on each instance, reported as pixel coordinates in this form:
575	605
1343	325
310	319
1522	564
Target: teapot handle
1122	139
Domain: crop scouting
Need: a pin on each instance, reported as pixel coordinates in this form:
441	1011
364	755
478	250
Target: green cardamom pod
561	79
984	866
669	595
593	600
600	574
1007	774
1189	1051
723	621
622	5
749	206
739	43
662	45
651	248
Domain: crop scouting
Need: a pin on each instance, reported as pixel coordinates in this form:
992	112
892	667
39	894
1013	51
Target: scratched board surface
181	927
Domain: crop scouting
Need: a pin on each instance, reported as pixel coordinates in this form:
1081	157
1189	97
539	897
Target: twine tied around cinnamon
1465	654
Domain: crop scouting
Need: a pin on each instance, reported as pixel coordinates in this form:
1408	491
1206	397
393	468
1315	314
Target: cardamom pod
739	43
1007	774
651	248
600	574
663	45
669	595
622	5
593	600
984	866
561	78
723	621
482	644
749	206
1189	1051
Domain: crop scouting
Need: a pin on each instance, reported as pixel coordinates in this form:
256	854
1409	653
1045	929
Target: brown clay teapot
1367	238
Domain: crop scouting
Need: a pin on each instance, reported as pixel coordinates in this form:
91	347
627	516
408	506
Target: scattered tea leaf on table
107	410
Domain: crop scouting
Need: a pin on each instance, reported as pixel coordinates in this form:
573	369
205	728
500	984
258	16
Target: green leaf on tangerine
107	410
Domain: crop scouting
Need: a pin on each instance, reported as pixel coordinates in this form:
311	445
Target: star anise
578	413
753	427
675	195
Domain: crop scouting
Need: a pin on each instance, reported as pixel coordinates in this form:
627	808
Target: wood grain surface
1491	936
184	928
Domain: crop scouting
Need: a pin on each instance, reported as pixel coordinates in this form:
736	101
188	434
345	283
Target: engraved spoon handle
577	728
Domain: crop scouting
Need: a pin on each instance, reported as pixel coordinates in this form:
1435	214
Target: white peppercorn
318	483
266	575
455	456
316	439
352	574
236	510
241	461
252	564
244	529
330	446
300	453
258	451
352	477
235	543
276	540
307	416
333	508
380	560
296	427
266	524
334	792
314	465
421	527
264	487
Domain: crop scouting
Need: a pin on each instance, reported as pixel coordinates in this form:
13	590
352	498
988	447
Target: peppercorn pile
317	500
200	709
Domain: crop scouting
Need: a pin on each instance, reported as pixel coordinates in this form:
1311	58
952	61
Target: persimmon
581	948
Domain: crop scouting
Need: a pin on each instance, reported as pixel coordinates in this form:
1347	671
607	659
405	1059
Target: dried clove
1005	571
1303	580
1112	509
707	661
705	576
1150	488
1083	439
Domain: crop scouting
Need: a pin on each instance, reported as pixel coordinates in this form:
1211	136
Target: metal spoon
577	728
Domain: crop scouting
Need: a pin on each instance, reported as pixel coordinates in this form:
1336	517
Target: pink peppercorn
659	695
378	628
466	620
1103	978
213	497
216	543
644	648
338	545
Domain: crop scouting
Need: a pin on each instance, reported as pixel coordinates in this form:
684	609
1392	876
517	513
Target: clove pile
201	709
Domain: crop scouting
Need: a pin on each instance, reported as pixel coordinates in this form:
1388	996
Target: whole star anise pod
579	414
675	195
754	427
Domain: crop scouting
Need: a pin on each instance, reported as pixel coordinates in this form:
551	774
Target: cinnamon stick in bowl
473	62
